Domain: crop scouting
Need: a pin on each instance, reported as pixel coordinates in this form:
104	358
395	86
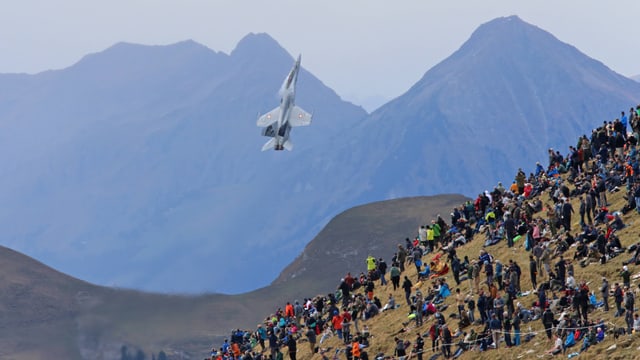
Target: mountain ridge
110	168
144	184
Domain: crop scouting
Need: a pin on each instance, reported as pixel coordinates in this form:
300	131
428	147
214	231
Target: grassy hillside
351	236
389	324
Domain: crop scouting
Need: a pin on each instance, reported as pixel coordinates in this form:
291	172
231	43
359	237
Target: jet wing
269	118
299	117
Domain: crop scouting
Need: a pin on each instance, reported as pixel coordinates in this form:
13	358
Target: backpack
570	341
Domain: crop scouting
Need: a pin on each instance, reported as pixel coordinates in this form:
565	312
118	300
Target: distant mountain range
636	77
140	166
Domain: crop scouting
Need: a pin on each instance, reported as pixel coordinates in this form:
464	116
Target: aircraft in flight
277	123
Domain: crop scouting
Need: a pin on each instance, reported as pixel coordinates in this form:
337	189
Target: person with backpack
399	350
488	269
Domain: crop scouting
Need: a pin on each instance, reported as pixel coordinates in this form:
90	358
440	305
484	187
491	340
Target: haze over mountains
140	166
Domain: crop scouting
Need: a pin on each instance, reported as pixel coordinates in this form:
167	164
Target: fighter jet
278	122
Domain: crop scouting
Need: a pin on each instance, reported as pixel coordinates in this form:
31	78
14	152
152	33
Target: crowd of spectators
535	214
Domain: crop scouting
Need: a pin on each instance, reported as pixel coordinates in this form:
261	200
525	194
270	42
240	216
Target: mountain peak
127	47
255	45
125	54
506	30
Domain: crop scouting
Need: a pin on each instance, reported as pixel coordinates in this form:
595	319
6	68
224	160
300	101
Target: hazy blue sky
366	50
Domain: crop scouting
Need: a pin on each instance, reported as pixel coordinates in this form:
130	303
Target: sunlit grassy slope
389	324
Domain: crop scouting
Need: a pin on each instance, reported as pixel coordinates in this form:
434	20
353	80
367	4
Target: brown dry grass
388	324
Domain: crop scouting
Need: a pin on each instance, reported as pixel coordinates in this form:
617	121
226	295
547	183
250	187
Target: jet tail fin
269	144
288	145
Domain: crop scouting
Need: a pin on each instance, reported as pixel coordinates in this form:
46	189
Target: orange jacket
355	349
288	311
235	349
337	322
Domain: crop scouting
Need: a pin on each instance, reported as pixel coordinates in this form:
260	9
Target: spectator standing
447	338
498	271
394	273
547	321
533	271
419	346
496	328
618	298
488	270
291	344
629	303
311	336
407	285
516	328
402	257
382	270
567	210
604	290
626	276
